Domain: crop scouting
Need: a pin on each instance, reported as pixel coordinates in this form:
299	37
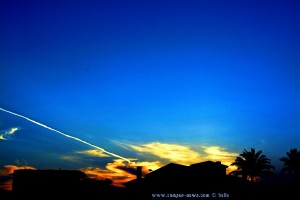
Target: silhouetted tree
251	164
291	162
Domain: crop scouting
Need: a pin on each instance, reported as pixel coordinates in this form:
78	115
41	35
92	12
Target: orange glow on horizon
119	171
6	185
8	170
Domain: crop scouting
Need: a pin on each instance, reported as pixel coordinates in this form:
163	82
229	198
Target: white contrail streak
66	135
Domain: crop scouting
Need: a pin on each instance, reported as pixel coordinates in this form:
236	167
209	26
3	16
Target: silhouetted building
208	168
202	178
139	172
47	181
54	183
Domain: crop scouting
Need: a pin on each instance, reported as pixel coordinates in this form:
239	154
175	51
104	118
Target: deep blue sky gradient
214	72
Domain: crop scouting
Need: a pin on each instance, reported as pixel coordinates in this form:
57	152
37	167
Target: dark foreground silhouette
205	180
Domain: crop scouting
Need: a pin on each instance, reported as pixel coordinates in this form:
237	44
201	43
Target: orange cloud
8	170
120	171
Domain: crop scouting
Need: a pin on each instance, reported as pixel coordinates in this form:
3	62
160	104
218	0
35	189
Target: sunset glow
106	86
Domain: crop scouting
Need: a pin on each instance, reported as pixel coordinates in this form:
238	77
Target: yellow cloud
2	137
12	130
172	152
8	132
93	152
185	155
77	158
216	153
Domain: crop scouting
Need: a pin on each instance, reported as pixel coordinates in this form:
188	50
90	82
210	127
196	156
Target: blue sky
134	77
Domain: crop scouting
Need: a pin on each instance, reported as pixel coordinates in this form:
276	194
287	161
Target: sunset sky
153	81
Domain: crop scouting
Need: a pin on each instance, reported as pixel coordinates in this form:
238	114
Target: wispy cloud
12	130
120	171
71	158
171	152
93	152
7	133
7	171
216	153
79	156
185	155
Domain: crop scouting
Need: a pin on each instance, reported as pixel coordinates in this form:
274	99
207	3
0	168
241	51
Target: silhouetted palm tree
251	164
291	162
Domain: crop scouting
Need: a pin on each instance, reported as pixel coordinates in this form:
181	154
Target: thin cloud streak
7	133
66	135
70	158
92	152
12	130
